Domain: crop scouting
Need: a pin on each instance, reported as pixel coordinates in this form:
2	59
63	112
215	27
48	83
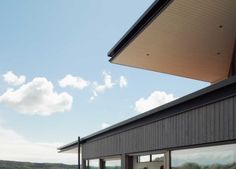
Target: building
194	39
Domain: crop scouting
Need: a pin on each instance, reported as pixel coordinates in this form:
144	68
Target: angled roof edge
67	146
154	10
181	100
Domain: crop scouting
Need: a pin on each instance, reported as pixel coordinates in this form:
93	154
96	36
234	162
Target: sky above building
56	81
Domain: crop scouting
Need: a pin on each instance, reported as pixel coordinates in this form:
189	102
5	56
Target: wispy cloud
15	147
12	79
93	96
123	82
74	82
37	98
156	99
101	88
107	84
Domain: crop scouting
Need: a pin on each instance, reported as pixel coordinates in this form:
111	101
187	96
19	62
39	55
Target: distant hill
28	165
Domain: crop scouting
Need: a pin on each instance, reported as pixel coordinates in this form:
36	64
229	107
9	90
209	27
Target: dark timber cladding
205	119
78	153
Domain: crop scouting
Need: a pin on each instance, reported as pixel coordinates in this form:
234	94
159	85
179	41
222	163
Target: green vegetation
27	165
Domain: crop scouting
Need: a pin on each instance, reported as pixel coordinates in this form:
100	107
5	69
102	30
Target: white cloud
17	148
156	99
105	125
37	98
123	82
75	82
108	84
13	79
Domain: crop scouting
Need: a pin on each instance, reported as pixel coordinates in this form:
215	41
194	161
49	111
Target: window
92	164
214	157
87	164
113	164
157	157
144	158
151	158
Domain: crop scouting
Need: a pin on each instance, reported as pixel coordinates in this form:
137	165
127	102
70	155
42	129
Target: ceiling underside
189	38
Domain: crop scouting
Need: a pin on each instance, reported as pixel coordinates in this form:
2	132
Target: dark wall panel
206	124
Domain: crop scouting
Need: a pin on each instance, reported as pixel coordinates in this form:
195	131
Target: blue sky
49	39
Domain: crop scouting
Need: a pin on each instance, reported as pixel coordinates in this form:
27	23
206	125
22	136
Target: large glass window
214	157
113	164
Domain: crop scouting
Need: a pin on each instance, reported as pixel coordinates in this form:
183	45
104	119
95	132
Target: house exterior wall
207	119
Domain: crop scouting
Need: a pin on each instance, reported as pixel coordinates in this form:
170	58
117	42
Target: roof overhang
69	148
193	39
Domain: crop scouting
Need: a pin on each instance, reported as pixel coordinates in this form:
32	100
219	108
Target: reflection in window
158	157
214	157
87	164
144	158
92	164
113	164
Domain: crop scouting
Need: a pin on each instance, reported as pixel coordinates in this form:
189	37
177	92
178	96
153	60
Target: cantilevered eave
191	39
68	147
153	11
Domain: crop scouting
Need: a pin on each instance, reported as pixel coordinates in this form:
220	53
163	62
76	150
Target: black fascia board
154	10
67	146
